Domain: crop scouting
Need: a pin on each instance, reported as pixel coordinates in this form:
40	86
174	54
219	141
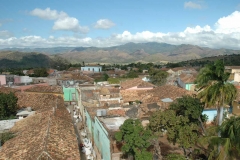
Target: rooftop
114	123
45	89
188	78
46	134
135	82
36	101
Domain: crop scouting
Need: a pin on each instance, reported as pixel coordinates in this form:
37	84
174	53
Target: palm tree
229	140
214	88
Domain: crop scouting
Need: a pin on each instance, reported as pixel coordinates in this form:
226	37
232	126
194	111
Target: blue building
92	68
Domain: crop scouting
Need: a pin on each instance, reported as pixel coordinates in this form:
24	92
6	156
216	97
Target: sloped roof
44	134
188	78
45	89
8	90
104	91
36	101
135	82
166	91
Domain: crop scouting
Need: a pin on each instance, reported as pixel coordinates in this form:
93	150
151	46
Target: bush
5	137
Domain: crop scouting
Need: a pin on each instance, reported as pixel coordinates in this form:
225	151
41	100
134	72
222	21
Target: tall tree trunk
157	148
220	119
201	124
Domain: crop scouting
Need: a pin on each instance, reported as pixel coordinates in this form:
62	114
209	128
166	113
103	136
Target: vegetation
104	77
8	105
214	88
135	139
158	77
40	72
5	136
114	80
180	123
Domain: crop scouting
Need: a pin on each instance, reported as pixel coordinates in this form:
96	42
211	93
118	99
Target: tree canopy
135	139
158	77
212	82
8	105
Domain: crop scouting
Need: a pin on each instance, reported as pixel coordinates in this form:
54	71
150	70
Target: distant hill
16	59
135	52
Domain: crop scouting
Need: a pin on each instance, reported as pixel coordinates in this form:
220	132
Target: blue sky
102	23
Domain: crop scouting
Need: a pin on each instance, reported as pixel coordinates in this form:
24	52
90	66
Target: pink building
17	79
2	80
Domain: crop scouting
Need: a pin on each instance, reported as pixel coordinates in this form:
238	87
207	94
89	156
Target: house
2	80
23	113
232	69
92	68
186	81
22	79
39	79
71	95
136	84
6	125
10	79
37	89
104	131
48	134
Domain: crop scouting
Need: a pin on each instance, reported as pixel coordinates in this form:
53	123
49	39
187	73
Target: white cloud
229	24
69	23
62	20
6	34
192	5
104	24
225	34
48	14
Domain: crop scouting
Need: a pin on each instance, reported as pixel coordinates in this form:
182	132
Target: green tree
135	139
229	140
190	107
158	77
8	105
5	136
178	129
132	74
214	88
40	72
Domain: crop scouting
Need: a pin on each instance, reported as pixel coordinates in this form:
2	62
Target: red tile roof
44	134
45	89
188	78
135	82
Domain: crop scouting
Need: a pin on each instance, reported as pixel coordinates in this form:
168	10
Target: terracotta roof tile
44	134
36	101
45	89
135	82
8	90
188	78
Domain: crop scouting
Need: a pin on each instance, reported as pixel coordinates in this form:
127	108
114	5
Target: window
98	135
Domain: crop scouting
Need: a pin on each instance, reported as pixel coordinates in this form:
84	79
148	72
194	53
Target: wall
181	83
235	70
2	80
89	123
142	88
92	68
101	140
68	93
188	86
237	77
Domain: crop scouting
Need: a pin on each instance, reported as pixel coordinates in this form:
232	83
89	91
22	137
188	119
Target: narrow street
76	128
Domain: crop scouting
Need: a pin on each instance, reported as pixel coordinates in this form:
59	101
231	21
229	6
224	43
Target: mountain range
128	53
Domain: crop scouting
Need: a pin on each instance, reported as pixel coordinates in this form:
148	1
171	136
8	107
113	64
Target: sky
104	23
